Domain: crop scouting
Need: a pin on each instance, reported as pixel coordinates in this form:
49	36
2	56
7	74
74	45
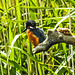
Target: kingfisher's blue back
39	33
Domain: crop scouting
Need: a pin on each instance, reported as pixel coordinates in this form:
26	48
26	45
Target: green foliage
16	55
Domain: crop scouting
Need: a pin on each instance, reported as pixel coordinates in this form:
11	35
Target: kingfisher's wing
40	34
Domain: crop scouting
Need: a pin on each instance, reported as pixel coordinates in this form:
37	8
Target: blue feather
39	33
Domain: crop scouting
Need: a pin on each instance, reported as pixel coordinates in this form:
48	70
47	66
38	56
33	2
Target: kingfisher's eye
29	26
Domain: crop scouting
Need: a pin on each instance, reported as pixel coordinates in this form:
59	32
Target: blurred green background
19	60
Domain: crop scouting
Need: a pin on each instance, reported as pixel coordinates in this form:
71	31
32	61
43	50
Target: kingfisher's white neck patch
31	27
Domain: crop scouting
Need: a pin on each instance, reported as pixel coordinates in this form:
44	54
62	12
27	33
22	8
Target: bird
35	35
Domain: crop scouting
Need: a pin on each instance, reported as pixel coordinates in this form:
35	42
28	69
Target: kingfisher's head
30	24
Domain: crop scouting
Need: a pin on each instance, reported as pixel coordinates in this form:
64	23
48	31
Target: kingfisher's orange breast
32	38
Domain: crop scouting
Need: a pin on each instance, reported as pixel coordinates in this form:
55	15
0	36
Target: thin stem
6	50
71	47
1	63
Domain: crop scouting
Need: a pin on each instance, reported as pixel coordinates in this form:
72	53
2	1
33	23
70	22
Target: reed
16	55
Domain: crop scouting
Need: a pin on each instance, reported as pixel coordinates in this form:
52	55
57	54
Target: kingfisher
35	35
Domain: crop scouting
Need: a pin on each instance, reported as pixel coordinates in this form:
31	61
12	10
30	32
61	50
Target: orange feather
32	38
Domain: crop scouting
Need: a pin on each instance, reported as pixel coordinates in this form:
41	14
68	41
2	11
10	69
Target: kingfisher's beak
24	30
